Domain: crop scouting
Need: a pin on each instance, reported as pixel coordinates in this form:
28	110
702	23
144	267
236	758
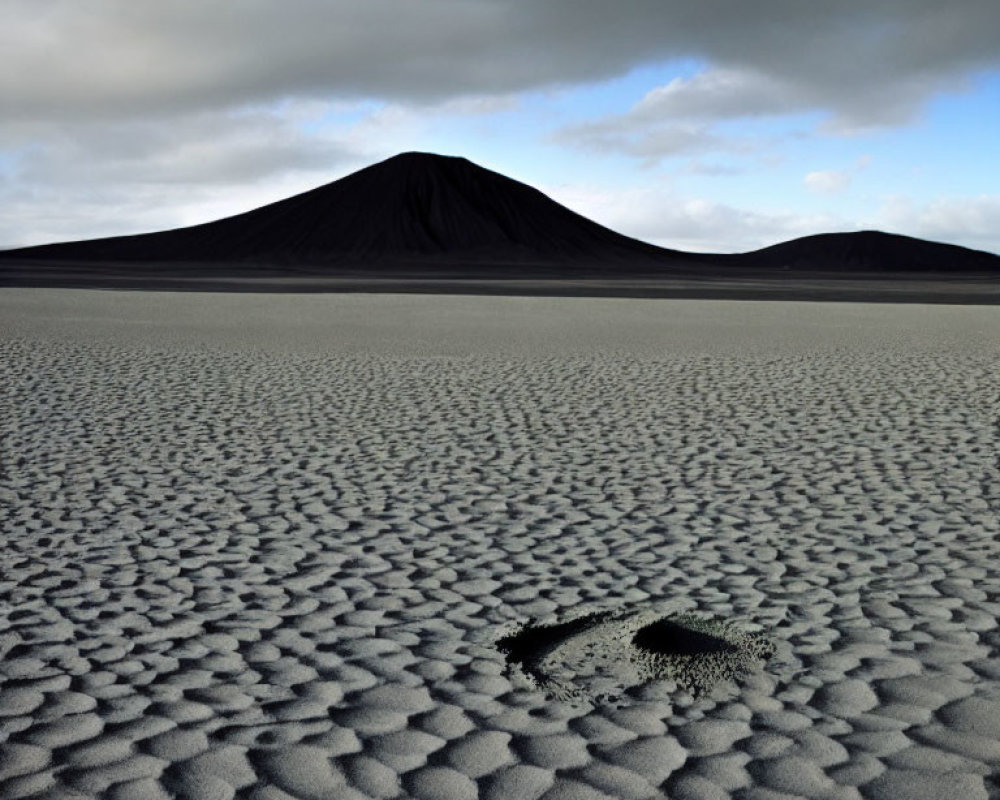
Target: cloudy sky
719	125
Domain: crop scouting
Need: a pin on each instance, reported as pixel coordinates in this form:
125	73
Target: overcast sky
720	125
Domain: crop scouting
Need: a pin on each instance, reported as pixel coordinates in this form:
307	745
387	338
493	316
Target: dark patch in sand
602	655
528	647
666	637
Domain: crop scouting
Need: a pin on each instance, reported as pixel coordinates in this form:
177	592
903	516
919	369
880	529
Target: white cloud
827	181
970	221
663	217
710	169
719	94
104	178
647	142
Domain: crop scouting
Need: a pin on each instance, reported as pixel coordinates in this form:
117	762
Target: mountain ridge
868	251
416	211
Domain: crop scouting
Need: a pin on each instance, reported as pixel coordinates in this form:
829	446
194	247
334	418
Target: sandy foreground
263	546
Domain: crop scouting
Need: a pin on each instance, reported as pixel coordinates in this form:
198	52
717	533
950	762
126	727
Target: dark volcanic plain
426	223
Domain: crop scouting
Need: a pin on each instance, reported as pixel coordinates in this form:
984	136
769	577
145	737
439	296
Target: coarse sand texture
289	547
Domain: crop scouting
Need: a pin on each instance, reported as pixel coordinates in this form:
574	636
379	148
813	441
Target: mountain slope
413	206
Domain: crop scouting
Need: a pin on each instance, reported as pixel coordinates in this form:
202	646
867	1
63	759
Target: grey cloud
643	141
828	181
650	139
680	117
865	61
971	221
719	93
100	178
192	149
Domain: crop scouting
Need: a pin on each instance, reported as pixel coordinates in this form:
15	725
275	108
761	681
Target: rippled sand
263	546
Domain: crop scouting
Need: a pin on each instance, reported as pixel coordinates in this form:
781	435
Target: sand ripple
236	572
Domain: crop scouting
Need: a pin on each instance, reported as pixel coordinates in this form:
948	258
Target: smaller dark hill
868	252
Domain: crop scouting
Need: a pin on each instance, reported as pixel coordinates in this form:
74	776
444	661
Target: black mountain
413	207
420	214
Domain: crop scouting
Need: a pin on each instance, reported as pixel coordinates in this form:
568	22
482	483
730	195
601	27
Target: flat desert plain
265	546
